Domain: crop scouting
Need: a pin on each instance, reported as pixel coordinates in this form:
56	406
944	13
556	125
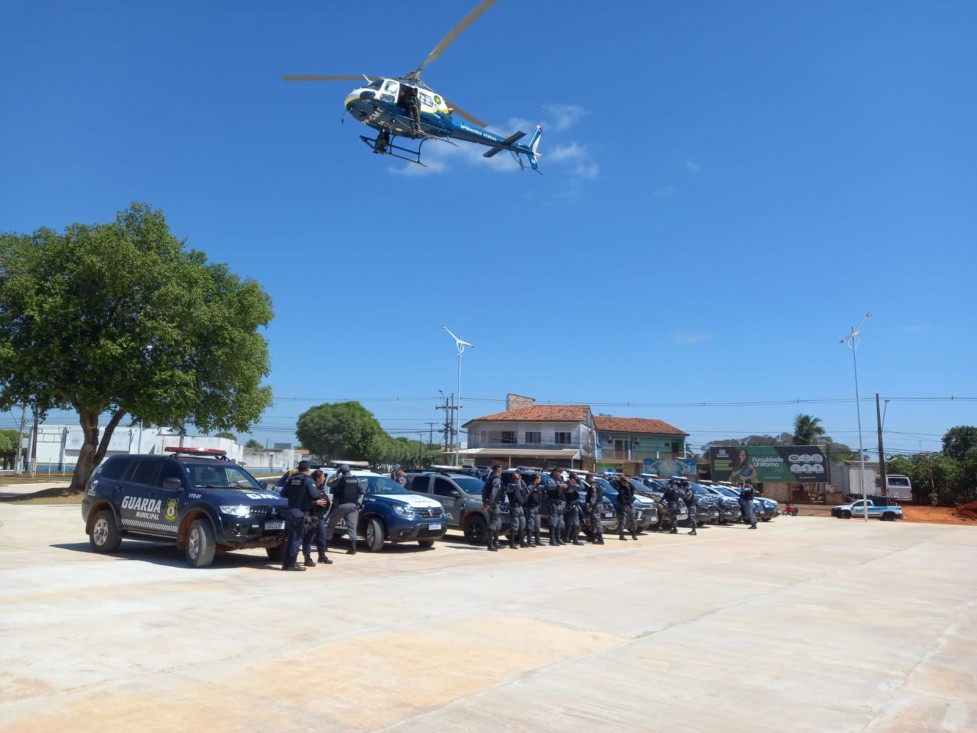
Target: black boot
621	536
323	559
309	562
693	532
600	540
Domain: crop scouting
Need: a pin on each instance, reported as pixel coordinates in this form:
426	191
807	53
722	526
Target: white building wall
58	447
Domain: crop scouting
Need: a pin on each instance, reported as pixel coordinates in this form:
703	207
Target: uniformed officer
572	513
347	498
688	496
515	492
746	503
672	495
625	508
493	492
399	477
595	505
319	516
302	495
533	499
557	502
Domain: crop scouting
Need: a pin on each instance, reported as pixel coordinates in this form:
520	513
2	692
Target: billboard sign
769	464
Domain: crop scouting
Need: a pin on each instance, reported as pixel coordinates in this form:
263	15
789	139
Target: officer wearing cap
302	495
557	501
595	505
493	492
625	508
688	496
347	498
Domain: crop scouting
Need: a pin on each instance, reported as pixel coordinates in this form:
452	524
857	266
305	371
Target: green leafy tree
8	448
807	430
341	430
253	444
119	318
226	434
959	442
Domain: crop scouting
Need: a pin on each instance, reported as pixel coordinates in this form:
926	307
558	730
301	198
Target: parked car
655	489
706	505
196	498
461	496
645	509
729	507
391	513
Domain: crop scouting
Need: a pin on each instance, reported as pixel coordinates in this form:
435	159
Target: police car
391	513
195	497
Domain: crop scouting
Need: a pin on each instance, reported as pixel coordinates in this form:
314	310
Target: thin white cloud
564	116
664	192
690	337
691	166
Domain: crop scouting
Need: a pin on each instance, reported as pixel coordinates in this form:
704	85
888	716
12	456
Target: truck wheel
104	535
846	514
888	517
200	544
426	543
475	530
373	535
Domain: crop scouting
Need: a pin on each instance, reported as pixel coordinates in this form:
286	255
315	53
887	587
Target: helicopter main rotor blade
448	39
467	115
317	77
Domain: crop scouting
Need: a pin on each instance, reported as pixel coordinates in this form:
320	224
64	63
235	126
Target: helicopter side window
375	84
426	99
391	87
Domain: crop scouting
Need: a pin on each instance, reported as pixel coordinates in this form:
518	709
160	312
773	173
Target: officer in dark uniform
534	495
595	505
672	496
688	496
515	492
302	495
493	492
347	498
746	503
572	513
319	517
625	508
557	501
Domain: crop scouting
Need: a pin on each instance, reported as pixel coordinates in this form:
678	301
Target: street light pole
880	418
851	341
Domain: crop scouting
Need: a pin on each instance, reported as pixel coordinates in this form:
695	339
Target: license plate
608	515
434	526
274	525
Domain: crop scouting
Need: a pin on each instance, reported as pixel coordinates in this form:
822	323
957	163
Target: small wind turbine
460	345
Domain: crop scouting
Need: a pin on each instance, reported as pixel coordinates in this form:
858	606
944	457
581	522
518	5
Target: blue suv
197	498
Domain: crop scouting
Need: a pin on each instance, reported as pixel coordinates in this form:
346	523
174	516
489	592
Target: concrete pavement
807	624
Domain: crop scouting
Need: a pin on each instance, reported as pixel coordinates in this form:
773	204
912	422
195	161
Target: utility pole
432	423
448	408
19	460
34	445
882	479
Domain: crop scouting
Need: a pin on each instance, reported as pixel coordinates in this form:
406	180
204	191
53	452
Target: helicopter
406	107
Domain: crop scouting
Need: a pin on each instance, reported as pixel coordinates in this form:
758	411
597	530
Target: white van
898	487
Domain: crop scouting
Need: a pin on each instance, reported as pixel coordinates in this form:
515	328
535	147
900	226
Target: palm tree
807	430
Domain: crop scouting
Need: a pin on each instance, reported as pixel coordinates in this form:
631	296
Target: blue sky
727	189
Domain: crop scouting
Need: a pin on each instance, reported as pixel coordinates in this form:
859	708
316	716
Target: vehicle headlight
236	510
405	510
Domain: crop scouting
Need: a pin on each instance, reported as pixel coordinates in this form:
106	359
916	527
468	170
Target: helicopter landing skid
383	144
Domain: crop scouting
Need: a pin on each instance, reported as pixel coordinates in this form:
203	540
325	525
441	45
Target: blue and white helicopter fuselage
396	108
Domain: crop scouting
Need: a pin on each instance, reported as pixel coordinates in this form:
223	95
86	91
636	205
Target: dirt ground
966	514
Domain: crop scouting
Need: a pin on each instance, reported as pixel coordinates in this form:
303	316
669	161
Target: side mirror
172	484
455	493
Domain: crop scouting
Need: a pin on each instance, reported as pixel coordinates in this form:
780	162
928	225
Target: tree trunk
92	452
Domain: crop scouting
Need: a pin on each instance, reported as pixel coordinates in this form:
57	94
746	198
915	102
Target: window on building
508	436
534	437
563	439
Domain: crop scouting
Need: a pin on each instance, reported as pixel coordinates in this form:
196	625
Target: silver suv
461	496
